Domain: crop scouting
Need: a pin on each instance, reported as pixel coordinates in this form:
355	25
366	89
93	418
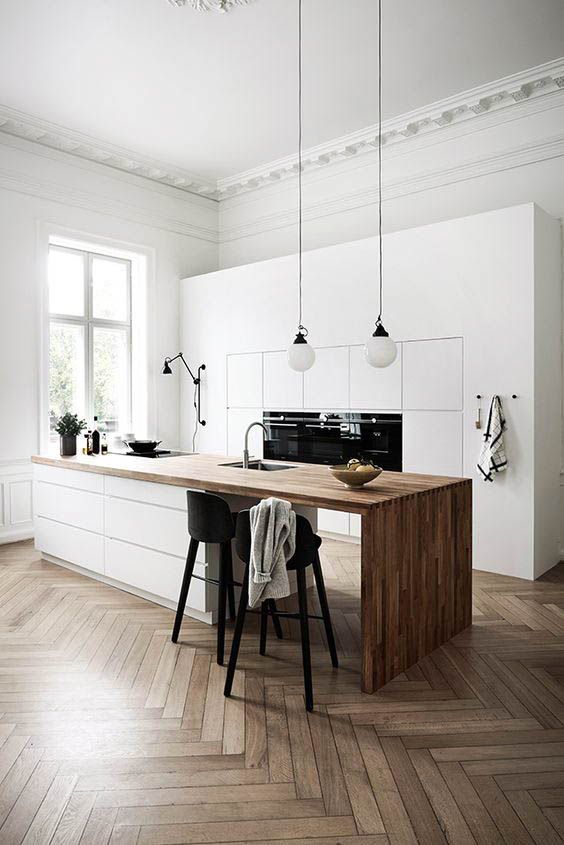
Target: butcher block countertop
306	484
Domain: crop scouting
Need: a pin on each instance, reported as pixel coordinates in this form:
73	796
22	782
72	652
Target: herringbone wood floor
110	733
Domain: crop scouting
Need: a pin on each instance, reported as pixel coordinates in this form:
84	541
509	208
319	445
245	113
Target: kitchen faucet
246	449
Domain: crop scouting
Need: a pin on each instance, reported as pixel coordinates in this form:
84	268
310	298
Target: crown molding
30	128
498	101
11	180
220	6
517	156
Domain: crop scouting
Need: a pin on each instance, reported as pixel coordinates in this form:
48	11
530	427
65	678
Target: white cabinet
374	388
237	421
355	525
336	522
162	529
154	572
83	548
326	384
432	442
432	375
91	481
283	387
65	504
244	380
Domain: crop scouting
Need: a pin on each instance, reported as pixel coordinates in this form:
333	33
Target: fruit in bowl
355	473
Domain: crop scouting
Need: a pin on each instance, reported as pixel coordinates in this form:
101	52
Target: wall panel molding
16	500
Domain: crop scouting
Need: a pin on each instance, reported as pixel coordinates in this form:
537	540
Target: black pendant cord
300	238
380	245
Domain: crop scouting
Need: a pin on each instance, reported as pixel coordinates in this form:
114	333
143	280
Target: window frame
89	322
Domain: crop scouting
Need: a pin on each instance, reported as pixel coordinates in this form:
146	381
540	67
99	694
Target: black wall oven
334	437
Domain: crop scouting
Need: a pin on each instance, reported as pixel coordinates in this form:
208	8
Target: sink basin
263	466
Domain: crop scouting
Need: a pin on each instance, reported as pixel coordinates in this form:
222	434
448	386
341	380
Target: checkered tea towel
492	455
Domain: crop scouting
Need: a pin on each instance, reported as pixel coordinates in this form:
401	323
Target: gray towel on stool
273	543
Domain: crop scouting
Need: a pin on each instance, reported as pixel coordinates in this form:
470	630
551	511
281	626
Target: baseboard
14	535
344	538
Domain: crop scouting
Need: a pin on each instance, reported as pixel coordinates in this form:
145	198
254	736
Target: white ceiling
216	94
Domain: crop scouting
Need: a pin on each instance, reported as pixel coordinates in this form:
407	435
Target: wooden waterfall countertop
306	484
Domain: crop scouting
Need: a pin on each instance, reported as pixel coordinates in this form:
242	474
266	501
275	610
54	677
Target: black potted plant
69	427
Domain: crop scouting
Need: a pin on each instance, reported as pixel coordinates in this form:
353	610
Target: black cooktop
157	453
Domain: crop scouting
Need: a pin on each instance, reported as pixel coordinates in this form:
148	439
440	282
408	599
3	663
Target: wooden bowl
353	477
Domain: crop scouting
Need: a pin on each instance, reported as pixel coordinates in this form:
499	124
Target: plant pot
68	445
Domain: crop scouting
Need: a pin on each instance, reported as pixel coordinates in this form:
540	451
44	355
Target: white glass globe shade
380	351
301	356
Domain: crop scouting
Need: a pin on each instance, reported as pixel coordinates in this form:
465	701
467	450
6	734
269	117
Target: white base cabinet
130	533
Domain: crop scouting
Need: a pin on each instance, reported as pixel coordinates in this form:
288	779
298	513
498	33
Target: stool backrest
306	544
209	518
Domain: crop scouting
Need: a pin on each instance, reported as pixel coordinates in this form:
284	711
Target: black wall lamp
196	379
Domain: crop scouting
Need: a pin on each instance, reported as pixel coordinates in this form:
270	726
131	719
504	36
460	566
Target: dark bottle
95	438
88	438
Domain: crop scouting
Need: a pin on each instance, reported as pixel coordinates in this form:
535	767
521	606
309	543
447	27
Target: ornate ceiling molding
22	125
499	101
220	6
466	110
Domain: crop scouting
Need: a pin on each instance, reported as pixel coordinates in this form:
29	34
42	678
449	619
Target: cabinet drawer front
162	529
91	481
166	495
152	571
337	522
72	507
72	544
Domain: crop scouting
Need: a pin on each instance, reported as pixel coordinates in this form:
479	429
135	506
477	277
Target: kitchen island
123	519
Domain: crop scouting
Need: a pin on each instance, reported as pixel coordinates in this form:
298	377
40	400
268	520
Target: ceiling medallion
210	5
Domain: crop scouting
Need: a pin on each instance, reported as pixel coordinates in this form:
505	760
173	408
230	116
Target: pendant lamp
301	356
380	349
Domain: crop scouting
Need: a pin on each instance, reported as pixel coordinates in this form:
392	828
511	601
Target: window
89	337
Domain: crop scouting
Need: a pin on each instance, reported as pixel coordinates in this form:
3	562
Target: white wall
471	278
40	188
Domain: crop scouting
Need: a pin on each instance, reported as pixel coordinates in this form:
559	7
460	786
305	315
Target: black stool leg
263	626
230	588
304	629
221	600
188	570
275	619
241	612
320	584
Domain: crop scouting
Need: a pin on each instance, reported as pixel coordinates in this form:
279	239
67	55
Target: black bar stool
209	521
306	554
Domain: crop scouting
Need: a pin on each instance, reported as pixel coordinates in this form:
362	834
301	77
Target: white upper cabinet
373	387
244	380
237	421
283	387
432	442
326	384
432	375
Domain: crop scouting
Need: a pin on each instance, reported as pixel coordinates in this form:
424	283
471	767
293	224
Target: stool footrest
216	582
284	614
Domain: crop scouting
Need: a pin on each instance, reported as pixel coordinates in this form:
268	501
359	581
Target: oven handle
274	419
282	425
